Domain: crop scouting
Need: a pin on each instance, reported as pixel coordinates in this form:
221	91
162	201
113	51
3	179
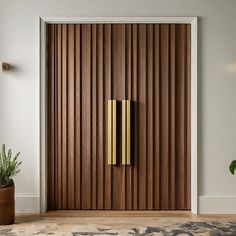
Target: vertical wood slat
56	116
86	116
108	95
100	157
94	117
151	68
59	109
64	118
118	92
142	123
149	139
53	116
164	116
129	168
180	117
172	118
135	116
78	118
71	115
180	106
156	65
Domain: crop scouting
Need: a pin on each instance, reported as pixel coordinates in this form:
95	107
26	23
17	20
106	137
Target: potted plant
232	167
9	167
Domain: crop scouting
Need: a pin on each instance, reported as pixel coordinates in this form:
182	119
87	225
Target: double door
146	64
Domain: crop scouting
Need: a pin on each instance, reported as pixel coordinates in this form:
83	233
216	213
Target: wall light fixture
4	66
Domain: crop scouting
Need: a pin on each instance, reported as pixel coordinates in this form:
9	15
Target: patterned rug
119	226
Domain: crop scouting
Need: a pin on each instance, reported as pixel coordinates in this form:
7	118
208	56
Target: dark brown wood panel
56	118
142	115
78	117
100	116
86	116
134	76
150	133
59	117
88	64
156	139
108	95
128	95
172	118
118	86
71	115
164	116
64	117
180	117
94	116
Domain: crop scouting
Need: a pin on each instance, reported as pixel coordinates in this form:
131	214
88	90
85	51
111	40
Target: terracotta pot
7	205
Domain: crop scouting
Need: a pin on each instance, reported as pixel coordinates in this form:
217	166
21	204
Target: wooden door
88	64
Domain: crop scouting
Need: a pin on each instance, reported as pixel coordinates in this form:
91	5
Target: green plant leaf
9	166
232	167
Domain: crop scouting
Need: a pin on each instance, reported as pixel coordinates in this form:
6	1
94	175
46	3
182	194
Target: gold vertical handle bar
114	132
111	132
128	135
126	132
123	132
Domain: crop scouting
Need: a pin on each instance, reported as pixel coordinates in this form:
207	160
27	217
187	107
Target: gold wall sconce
5	66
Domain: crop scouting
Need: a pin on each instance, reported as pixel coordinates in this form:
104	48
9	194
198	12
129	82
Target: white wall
19	89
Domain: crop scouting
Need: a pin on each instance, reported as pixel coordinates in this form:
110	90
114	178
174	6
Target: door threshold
118	213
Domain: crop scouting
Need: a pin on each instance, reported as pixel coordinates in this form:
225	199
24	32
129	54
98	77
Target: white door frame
43	106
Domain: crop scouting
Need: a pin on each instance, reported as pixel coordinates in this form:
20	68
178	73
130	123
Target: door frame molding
42	93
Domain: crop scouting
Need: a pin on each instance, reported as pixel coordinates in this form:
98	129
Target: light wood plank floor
137	223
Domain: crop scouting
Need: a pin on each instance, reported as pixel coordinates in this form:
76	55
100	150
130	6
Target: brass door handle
111	132
126	135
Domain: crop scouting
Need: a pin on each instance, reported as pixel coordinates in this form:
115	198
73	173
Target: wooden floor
76	223
115	214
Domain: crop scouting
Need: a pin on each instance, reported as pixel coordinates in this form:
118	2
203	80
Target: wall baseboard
208	204
27	203
217	204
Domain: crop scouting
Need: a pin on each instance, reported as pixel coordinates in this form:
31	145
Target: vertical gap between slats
75	117
60	124
55	124
103	112
91	118
137	115
146	114
96	204
160	123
